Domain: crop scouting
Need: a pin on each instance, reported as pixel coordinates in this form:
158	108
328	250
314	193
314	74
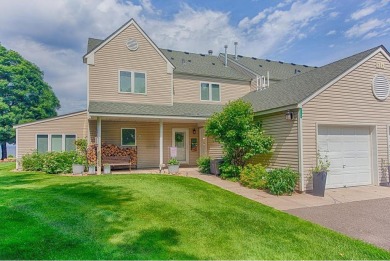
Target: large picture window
132	82
128	137
69	142
210	92
56	142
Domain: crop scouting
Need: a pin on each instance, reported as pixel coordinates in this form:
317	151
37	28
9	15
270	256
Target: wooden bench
117	161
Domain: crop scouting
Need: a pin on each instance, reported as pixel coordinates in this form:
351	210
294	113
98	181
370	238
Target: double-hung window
132	82
210	92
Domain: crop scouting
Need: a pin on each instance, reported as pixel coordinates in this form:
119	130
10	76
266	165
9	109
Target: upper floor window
210	92
132	82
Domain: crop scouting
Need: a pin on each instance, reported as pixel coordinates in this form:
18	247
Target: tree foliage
24	95
240	136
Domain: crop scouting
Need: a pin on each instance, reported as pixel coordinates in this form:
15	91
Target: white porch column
161	143
99	145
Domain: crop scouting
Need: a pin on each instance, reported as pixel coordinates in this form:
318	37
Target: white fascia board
289	107
131	22
147	116
379	50
50	119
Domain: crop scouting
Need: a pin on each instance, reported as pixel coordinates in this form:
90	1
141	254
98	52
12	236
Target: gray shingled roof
277	70
296	89
201	64
177	109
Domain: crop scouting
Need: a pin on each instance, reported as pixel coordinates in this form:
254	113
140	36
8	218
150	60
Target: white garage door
348	150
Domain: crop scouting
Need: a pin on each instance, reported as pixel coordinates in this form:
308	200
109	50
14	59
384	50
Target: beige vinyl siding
187	89
115	56
77	124
285	135
214	149
147	139
348	101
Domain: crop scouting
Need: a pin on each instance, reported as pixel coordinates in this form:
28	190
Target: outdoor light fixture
289	115
193	131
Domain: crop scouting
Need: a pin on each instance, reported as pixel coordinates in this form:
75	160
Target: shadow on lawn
20	179
156	244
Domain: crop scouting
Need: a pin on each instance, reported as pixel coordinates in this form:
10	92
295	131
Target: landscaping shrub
60	162
32	162
52	162
282	181
229	171
254	176
204	164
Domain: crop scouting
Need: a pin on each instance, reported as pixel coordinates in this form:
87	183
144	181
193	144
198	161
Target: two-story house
142	96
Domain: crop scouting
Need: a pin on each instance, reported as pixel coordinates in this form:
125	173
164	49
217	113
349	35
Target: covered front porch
152	137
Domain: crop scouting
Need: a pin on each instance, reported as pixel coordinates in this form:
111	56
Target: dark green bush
254	176
32	162
204	164
229	171
282	181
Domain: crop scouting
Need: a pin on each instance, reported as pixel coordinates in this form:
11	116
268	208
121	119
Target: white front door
349	153
202	143
180	141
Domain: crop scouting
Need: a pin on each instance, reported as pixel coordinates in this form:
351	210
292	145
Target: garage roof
298	88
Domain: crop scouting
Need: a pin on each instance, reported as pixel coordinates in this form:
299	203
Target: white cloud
334	14
53	34
367	29
368	8
331	45
331	32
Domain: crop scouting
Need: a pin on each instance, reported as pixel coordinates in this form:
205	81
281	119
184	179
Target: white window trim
132	82
49	136
135	135
210	91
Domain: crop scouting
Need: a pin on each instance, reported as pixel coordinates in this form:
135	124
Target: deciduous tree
240	136
24	95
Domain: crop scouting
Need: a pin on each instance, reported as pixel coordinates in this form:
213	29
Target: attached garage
349	150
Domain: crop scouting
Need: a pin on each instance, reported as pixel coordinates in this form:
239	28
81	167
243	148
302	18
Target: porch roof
192	110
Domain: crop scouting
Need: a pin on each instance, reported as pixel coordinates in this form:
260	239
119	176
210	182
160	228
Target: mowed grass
152	217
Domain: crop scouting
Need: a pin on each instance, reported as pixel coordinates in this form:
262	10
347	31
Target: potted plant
107	168
173	165
78	164
320	173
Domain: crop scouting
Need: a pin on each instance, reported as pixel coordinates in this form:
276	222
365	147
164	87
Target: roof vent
186	52
305	65
280	62
213	63
169	50
240	56
189	61
254	58
202	54
183	61
210	52
297	71
380	87
293	64
260	65
172	58
316	67
267	60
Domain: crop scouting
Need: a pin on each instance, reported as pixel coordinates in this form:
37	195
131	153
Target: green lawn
152	217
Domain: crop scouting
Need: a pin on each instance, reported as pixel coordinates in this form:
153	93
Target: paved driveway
368	220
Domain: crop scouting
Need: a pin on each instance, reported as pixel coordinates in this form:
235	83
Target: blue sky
53	34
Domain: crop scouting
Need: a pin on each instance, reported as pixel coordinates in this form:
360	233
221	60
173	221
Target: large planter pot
77	169
107	169
91	170
319	182
173	169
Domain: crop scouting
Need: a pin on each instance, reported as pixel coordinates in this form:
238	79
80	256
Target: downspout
300	151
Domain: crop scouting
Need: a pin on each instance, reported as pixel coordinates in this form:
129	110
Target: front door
180	141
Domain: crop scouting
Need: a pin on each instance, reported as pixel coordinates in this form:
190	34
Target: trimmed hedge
254	176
